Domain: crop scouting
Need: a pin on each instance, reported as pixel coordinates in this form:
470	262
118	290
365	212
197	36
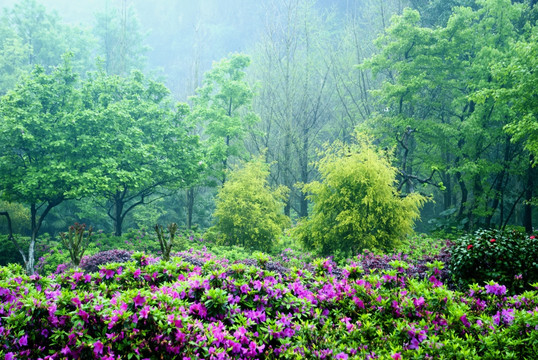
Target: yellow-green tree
356	204
248	212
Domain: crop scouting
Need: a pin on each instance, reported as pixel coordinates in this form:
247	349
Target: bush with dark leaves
92	263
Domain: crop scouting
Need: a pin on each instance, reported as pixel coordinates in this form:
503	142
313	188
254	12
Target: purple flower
23	341
98	348
496	289
497	318
464	320
139	300
396	356
508	316
342	356
10	356
144	312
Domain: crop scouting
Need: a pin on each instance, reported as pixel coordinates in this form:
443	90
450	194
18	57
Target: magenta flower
465	322
144	312
98	348
396	356
495	289
23	341
342	356
139	300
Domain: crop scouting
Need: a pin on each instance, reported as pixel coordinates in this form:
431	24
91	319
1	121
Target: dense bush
248	212
508	257
356	205
92	263
217	310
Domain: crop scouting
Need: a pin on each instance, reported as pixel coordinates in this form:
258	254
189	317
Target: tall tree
31	35
430	78
139	144
41	163
120	39
223	108
295	96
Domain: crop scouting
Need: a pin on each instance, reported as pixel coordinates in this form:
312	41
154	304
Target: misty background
308	90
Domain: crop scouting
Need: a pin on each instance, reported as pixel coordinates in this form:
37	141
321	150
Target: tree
120	40
139	145
41	163
222	107
30	35
248	212
431	113
356	204
295	96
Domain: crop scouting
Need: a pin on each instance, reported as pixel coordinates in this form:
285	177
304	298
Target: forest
261	159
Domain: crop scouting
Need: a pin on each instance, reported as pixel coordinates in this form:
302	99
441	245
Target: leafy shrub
508	257
248	212
217	310
76	241
356	206
91	263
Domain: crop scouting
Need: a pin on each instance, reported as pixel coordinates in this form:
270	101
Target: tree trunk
527	216
190	206
464	196
118	216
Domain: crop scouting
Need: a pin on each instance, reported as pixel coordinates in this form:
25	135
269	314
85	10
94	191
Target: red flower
469	246
492	240
533	237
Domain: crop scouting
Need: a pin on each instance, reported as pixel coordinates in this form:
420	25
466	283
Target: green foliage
31	35
139	144
20	218
356	205
76	241
507	257
222	107
433	80
520	81
248	212
120	40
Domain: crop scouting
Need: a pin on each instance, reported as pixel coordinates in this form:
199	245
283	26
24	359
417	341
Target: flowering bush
92	263
150	309
508	257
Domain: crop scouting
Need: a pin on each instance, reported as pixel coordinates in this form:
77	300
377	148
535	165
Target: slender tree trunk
36	225
464	195
527	216
190	206
303	203
287	159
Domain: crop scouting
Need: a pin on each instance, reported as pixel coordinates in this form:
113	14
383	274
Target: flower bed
199	306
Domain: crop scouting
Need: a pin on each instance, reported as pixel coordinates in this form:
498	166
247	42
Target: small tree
248	212
357	205
76	241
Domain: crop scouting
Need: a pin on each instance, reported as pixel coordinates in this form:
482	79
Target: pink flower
139	300
469	247
396	356
144	312
23	341
98	348
492	241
